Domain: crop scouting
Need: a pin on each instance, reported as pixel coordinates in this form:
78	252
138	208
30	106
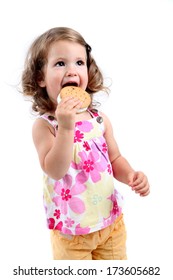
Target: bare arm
122	170
55	152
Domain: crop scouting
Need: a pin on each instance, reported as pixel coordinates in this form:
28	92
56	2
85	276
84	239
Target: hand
139	183
66	111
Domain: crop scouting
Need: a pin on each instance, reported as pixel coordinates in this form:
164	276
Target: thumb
131	178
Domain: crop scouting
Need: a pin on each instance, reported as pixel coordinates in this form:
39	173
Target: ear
41	83
40	79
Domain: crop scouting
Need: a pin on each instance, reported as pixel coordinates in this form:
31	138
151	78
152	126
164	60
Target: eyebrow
78	57
65	59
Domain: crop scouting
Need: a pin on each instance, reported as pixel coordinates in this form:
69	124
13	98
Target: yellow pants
106	244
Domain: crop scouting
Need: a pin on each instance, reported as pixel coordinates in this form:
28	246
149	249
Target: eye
80	62
60	63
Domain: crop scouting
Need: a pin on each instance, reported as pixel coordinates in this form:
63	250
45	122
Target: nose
71	71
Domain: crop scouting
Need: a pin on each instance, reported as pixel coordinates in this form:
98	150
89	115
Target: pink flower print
79	230
59	226
67	231
104	147
116	210
77	124
57	213
86	146
97	147
69	222
78	136
89	166
84	126
109	168
51	223
66	195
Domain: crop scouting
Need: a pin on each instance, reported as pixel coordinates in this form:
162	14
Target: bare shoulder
107	122
42	132
40	125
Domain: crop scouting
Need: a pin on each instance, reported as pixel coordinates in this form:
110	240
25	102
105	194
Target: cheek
86	80
53	80
85	76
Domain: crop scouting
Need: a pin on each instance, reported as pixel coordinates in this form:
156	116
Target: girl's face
66	65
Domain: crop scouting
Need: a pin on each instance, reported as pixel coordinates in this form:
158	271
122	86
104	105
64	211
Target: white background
132	42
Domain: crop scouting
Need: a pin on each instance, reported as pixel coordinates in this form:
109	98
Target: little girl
77	151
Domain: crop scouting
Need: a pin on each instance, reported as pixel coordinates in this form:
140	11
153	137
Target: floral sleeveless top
85	199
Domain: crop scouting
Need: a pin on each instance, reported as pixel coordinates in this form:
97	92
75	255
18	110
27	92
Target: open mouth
70	84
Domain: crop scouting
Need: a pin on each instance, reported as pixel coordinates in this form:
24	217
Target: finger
132	179
142	179
146	193
77	105
64	100
70	104
67	100
135	179
143	190
139	184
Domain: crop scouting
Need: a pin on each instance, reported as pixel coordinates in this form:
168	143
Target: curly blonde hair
36	59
